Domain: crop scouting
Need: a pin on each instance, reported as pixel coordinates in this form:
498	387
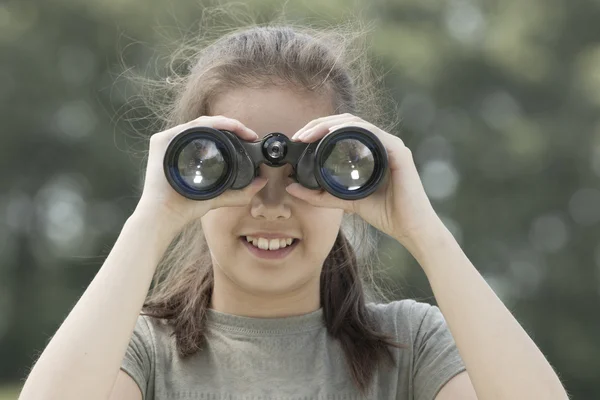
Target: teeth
269	244
263	244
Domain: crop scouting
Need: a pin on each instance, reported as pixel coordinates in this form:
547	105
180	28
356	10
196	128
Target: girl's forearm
83	358
502	360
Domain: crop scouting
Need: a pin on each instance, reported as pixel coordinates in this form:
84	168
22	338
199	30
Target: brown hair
300	58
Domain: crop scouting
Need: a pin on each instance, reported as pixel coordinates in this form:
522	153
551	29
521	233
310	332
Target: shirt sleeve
436	359
137	362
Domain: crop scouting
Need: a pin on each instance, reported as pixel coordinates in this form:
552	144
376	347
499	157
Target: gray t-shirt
292	358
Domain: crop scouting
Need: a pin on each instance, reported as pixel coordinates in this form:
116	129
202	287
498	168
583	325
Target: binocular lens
349	164
201	164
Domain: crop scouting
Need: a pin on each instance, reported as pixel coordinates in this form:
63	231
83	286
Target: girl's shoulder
407	318
433	356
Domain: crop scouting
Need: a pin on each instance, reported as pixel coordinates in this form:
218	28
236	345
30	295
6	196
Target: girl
233	316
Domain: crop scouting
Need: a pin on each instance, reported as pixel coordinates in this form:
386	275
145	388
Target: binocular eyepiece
202	162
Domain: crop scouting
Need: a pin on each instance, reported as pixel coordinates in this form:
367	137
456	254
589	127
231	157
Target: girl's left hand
400	207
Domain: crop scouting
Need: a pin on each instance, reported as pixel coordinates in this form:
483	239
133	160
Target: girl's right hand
158	197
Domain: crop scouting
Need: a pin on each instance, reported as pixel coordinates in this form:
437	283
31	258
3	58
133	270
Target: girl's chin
267	255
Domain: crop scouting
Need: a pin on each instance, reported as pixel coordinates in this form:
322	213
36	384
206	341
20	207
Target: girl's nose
272	201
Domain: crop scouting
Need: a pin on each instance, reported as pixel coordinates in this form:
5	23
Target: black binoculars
202	162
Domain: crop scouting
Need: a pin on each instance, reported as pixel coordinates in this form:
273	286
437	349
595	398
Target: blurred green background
500	104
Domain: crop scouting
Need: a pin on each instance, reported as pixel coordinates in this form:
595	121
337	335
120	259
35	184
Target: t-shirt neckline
262	325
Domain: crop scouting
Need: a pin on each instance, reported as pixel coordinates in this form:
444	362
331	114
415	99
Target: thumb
241	197
319	197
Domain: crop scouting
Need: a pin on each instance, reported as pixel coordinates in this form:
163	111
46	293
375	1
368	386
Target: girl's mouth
280	247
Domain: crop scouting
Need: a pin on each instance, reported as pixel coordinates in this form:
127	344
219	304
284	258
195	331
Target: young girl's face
273	216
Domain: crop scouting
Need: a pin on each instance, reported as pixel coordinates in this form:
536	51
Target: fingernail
260	181
305	135
300	136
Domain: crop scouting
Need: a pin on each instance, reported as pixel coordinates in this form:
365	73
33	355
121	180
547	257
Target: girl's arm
84	356
501	359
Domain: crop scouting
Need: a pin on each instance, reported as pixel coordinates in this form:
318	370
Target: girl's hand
399	208
158	197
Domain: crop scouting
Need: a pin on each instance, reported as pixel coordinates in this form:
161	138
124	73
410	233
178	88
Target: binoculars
202	162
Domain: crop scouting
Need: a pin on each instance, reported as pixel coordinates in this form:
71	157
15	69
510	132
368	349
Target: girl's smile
269	249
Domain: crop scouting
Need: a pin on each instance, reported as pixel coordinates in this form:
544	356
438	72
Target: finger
241	197
385	137
320	130
310	125
319	198
232	125
317	121
395	147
